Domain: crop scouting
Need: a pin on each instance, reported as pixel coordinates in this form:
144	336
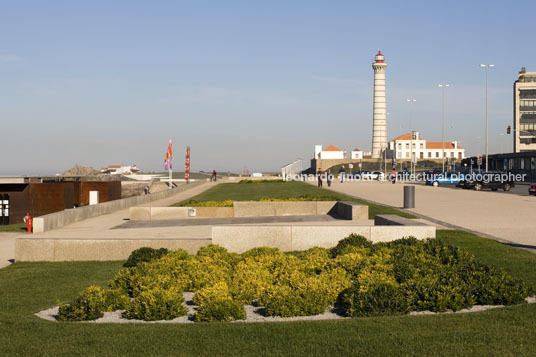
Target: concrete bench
352	210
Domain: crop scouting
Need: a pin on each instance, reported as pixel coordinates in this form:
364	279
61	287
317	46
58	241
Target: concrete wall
60	219
239	238
57	250
284	208
346	210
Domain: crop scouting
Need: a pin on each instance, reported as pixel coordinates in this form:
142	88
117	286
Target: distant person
213	177
342	172
393	176
319	176
328	178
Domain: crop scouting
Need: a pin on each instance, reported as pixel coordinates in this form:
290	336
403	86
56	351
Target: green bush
383	299
157	304
348	245
220	310
366	279
284	301
89	305
144	254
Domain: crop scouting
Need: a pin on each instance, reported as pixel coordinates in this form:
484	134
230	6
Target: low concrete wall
163	213
352	210
394	220
57	250
60	219
239	238
214	212
281	208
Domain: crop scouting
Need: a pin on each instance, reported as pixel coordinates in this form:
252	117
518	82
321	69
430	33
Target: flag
169	155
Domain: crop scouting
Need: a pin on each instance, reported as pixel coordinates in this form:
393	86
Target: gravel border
254	314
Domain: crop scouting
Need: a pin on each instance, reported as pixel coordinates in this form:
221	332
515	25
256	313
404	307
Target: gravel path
254	314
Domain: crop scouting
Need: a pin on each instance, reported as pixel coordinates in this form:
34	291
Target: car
367	175
493	180
446	178
532	189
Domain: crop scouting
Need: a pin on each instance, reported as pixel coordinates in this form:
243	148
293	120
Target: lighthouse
379	123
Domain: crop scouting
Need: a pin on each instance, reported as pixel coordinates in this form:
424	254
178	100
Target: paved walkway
510	218
100	227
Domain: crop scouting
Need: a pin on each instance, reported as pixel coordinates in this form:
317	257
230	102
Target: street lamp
486	66
411	101
444	87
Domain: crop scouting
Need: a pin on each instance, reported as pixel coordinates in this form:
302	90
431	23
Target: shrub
115	299
194	203
284	301
220	310
144	254
348	245
218	291
157	304
89	305
382	299
217	253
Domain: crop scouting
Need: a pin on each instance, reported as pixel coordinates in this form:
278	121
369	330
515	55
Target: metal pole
443	130
486	118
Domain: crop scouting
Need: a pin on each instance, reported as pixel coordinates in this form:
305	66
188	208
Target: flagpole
169	169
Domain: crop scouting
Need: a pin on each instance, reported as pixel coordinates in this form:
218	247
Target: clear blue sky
246	83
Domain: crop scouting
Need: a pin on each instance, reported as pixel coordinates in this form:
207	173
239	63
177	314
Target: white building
405	147
356	154
525	111
331	152
120	170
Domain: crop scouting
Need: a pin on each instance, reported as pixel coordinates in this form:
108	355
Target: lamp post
411	101
444	87
486	66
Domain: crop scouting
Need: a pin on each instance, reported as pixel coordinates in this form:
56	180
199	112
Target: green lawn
17	227
256	191
26	288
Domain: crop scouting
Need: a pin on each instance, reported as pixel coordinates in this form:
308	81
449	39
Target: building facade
525	111
408	146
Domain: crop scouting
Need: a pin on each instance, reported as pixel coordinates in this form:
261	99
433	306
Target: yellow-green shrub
218	291
220	310
89	305
157	304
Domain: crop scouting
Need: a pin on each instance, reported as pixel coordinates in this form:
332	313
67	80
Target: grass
256	191
30	287
17	227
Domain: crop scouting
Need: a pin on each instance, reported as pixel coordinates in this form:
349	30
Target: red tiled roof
406	136
439	145
332	148
356	150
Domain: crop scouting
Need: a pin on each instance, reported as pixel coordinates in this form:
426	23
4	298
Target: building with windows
412	145
525	111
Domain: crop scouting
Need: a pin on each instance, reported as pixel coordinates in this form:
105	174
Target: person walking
342	172
213	177
319	176
393	176
328	178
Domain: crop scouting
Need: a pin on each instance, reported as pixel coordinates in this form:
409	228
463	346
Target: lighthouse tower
379	124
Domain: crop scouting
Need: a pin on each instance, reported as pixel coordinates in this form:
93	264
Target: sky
251	84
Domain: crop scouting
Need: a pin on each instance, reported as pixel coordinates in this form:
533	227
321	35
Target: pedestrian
393	176
328	178
319	176
342	172
213	176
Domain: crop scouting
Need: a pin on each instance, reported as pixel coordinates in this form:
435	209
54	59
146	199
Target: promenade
506	217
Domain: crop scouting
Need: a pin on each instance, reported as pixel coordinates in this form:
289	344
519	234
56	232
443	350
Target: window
460	155
407	145
422	155
422	146
400	145
429	154
413	145
437	154
452	155
407	155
